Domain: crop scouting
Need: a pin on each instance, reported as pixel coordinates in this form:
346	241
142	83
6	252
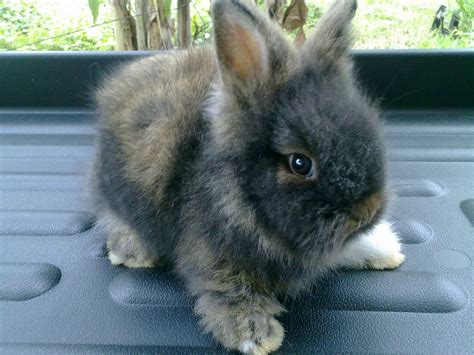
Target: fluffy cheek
291	209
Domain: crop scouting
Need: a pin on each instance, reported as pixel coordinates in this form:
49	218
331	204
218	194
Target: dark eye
300	164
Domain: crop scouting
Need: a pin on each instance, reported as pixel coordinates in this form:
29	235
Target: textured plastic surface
59	294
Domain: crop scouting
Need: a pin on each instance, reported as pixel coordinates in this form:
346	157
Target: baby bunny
252	167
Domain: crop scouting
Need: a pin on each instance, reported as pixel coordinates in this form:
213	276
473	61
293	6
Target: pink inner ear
243	52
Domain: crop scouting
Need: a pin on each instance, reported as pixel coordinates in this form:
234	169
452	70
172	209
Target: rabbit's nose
365	210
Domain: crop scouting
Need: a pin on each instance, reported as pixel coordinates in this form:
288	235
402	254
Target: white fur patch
115	259
124	246
247	347
378	249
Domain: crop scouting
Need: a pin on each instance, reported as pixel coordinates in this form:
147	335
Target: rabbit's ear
250	49
331	40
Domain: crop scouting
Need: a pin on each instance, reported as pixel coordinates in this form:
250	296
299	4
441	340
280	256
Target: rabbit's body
157	183
151	134
252	168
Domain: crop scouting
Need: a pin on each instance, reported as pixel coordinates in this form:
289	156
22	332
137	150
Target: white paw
384	249
264	345
115	259
378	249
387	263
132	263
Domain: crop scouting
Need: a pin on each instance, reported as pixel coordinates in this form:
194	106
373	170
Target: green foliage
167	7
467	14
94	7
404	24
463	37
467	8
378	24
15	21
200	29
201	25
24	27
314	13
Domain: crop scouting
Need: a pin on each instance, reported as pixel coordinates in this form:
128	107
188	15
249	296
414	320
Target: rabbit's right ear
250	49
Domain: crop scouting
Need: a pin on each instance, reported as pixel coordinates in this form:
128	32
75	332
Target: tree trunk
153	39
140	20
276	10
166	34
123	26
184	24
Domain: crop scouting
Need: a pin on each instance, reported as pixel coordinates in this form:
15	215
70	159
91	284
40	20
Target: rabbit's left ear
331	40
250	49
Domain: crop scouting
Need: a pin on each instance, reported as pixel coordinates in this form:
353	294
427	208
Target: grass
402	24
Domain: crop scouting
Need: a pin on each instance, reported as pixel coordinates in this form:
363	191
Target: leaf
94	7
295	15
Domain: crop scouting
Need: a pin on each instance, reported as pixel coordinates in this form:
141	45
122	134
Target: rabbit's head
291	127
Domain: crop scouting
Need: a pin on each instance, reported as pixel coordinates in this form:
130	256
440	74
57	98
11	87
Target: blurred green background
69	26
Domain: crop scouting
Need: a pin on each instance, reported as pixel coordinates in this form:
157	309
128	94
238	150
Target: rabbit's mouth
365	213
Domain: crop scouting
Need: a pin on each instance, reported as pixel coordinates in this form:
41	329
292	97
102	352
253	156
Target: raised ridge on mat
47	122
410	230
71	139
467	207
24	281
396	291
453	259
406	291
67	201
42	182
405	153
45	166
43	223
148	287
46	151
411	187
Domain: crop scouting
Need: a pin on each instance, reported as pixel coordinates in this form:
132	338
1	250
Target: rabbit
252	167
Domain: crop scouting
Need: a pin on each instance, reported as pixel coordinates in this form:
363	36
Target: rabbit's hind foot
125	247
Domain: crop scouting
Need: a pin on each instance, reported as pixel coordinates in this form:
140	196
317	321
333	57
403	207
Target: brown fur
191	167
148	152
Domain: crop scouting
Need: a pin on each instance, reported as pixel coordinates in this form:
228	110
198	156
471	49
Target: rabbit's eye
300	164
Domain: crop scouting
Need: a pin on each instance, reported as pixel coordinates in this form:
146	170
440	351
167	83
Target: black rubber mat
59	293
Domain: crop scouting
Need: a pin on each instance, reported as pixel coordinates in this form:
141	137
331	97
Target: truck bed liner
59	293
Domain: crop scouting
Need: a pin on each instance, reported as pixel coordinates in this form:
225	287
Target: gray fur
192	158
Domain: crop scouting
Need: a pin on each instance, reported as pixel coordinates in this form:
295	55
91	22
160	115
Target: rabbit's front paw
248	326
378	249
387	262
384	249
